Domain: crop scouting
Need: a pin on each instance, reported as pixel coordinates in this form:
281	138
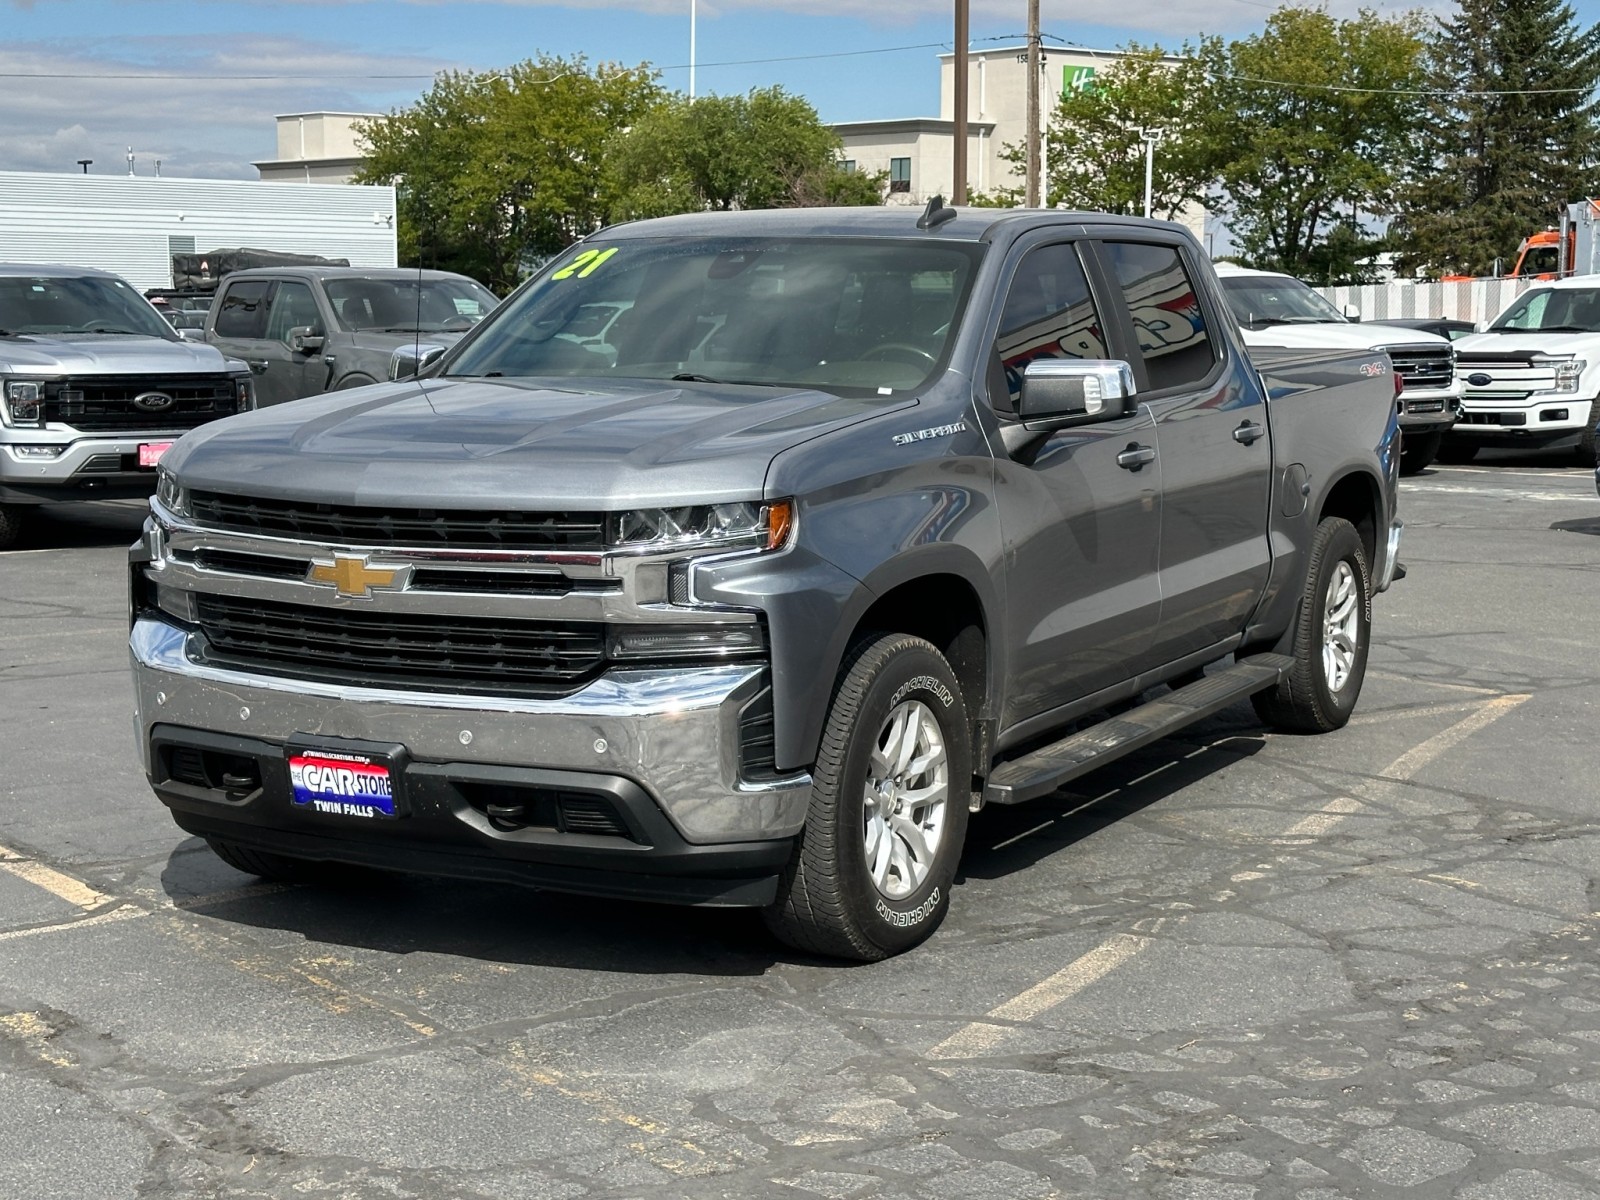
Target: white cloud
206	117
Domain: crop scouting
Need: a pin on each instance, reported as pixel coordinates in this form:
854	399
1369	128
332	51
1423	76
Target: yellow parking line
978	1037
73	891
125	913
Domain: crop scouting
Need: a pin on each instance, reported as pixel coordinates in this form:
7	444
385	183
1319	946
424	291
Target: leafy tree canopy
497	169
765	149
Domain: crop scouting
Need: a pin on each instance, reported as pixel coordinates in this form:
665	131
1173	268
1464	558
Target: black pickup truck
737	558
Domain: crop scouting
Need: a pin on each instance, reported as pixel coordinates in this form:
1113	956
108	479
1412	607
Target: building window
899	174
847	164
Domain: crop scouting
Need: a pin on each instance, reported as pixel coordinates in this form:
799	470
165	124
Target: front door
1211	434
1081	528
253	321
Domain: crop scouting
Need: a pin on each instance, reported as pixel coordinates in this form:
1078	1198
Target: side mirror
1062	392
306	339
414	358
1352	312
1480	327
191	335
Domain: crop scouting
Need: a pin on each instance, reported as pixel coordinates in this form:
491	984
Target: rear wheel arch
1356	497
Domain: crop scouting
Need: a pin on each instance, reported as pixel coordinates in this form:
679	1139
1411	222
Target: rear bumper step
1046	769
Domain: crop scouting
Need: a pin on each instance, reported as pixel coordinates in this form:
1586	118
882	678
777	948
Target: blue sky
213	121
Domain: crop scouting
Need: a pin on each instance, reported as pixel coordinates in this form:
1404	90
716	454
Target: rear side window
1177	347
1049	313
244	310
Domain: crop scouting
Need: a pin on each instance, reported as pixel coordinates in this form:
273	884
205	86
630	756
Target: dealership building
917	153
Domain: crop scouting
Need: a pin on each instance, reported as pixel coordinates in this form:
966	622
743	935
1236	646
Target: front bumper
1428	411
90	468
659	748
1511	421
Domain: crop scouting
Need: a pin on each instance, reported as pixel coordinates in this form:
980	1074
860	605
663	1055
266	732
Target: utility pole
1032	197
1150	137
958	187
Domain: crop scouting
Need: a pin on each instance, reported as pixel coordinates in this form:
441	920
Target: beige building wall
997	111
317	147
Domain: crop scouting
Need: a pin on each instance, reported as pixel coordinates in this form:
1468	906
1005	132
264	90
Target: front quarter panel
901	496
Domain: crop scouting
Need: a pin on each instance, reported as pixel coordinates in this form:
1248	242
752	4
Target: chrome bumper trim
673	732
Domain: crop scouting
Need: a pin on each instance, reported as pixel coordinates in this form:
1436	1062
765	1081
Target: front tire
1418	452
871	872
278	868
1588	450
1332	633
10	525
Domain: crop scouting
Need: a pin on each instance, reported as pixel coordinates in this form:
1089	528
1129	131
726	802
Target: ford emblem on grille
153	402
1476	379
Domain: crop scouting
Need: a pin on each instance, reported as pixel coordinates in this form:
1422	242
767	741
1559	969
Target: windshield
88	304
1552	310
1260	300
396	306
840	314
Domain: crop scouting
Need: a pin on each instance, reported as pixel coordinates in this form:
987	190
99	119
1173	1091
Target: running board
1045	770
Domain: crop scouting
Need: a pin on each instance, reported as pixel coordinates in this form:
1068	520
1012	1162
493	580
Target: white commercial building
917	152
132	225
317	147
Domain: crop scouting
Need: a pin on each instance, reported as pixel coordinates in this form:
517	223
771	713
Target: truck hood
37	354
514	443
1557	345
374	339
1334	336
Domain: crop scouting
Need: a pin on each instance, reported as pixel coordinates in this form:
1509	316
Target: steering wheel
890	349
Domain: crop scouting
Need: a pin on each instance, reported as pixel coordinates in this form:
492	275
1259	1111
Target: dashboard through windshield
57	306
1552	310
849	315
1261	300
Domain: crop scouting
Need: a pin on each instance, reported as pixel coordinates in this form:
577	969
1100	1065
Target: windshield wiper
115	329
1559	329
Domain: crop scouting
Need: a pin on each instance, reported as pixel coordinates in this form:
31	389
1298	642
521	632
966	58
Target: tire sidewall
1342	545
914	673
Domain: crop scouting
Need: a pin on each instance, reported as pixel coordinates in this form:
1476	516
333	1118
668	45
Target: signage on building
1076	79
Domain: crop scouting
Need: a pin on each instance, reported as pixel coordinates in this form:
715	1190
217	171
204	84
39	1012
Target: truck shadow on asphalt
496	923
81	526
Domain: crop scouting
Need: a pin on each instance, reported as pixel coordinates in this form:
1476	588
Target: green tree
1095	160
766	149
498	169
1322	114
1509	138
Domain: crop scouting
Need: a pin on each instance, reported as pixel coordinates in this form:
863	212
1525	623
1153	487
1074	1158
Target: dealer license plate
150	452
337	784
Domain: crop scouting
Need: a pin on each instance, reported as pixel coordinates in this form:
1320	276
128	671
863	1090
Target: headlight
244	397
24	405
710	526
1568	371
173	497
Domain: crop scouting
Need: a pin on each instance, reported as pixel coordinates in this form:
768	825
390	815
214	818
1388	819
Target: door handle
1248	432
1136	456
258	365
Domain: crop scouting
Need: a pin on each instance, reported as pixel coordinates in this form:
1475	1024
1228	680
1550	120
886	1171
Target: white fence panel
1467	300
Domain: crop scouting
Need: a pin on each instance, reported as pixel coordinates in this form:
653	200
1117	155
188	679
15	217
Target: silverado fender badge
922	435
353	575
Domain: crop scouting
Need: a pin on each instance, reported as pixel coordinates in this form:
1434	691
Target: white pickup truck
1531	379
1274	309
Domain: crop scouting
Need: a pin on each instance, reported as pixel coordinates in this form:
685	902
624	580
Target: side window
244	310
1173	339
293	306
1049	313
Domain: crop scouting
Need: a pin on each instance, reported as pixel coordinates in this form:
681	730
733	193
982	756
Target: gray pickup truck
308	330
94	386
850	522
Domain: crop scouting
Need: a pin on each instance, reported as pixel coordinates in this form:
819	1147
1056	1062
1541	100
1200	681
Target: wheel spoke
909	834
910	726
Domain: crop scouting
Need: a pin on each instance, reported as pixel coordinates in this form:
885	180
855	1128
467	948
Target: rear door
1211	439
1081	528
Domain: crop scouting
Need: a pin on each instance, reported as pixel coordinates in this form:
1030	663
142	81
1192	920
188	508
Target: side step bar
1044	770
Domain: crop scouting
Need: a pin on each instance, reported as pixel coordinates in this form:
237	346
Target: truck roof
400	274
888	220
13	270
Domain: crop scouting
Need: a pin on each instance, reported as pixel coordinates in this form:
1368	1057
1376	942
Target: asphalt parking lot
1235	965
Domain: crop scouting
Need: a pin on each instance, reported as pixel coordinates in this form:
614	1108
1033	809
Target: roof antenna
936	214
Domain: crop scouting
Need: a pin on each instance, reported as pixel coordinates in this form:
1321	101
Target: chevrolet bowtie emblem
352	575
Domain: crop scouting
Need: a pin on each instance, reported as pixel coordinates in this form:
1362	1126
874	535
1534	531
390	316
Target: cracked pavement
1235	965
